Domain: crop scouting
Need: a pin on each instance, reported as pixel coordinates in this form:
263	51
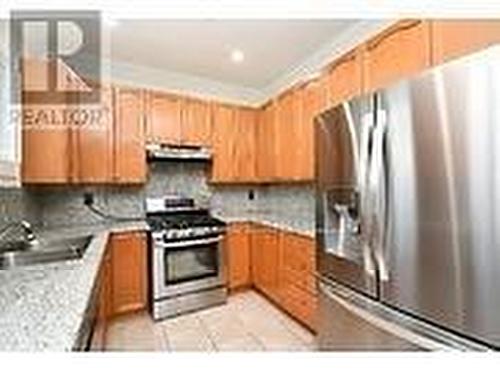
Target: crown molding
336	47
181	83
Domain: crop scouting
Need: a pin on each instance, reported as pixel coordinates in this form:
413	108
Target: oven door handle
180	244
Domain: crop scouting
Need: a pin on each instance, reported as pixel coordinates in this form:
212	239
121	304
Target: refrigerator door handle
379	193
366	161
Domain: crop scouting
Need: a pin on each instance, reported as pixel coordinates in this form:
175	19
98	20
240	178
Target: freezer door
343	137
441	156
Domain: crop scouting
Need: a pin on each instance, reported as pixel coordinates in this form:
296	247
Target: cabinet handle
402	26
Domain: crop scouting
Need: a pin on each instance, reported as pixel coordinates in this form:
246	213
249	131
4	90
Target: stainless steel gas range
187	263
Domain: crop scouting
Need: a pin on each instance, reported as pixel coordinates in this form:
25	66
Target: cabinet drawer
302	305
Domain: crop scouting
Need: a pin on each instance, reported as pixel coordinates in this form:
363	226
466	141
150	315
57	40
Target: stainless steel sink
23	253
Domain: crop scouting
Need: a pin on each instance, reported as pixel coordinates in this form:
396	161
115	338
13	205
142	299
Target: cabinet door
313	101
46	143
129	272
345	77
196	122
244	155
288	116
454	38
163	123
296	272
266	144
265	260
130	155
94	151
224	135
237	245
398	52
298	256
103	309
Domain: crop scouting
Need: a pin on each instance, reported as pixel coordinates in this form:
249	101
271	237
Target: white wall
9	131
188	84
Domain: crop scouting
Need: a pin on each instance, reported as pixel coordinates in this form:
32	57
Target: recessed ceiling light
237	56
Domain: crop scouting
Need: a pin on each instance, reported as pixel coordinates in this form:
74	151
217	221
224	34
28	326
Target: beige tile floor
248	322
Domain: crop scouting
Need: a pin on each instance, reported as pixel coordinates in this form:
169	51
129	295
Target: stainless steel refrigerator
408	197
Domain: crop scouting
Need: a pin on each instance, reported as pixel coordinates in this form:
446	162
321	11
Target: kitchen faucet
24	224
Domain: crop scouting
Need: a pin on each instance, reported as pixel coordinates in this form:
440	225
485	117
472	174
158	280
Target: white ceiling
202	47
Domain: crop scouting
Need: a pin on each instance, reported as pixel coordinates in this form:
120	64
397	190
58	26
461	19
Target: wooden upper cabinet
314	101
266	156
46	144
196	122
345	77
223	139
237	245
398	52
163	117
234	144
244	155
287	120
94	153
46	152
129	145
454	38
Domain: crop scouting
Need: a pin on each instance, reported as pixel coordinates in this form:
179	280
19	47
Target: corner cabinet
266	155
234	144
237	251
265	260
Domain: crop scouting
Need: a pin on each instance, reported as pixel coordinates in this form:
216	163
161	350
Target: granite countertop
42	306
270	223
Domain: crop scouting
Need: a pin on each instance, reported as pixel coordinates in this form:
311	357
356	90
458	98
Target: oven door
186	266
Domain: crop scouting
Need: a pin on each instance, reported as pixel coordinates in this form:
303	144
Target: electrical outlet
88	198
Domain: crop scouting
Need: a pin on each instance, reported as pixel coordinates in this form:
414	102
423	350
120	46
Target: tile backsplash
189	178
17	204
290	205
63	206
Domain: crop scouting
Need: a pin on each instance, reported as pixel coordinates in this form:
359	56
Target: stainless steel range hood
166	152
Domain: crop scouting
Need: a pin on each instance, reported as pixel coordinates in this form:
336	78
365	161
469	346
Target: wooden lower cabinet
128	272
237	248
104	304
296	277
265	260
282	266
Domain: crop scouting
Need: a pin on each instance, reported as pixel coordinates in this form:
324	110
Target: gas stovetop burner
171	219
